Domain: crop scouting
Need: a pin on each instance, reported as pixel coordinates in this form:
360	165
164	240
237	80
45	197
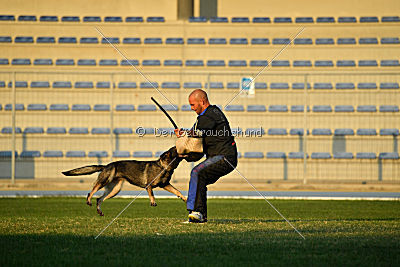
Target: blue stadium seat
123	131
65	62
151	62
297	155
392	131
261	20
131	40
366	108
237	63
276	155
174	41
368	40
321	155
390	19
323	86
280	63
279	86
78	130
341	86
321	131
196	41
113	40
145	85
7	154
113	19
346	41
34	130
91	19
100	130
345	63
215	63
240	41
43	62
325	20
260	41
39	107
59	107
171	85
302	63
21	61
30	154
219	20
304	20
277	108
70	19
280	41
343	155
48	18
7	18
388	108
369	19
19	84
75	154
4	61
303	41
194	63
134	19
277	131
192	85
366	86
37	84
108	62
53	154
17	107
121	154
389	86
8	130
366	155
86	62
389	155
45	39
347	20
215	85
62	84
323	63
27	18
56	130
142	154
198	19
298	108
322	108
186	108
98	154
5	39
80	107
260	85
324	41
213	41
366	132
240	20
343	131
83	84
67	40
390	63
155	19
344	108
258	63
152	41
127	85
256	108
234	108
101	107
300	86
169	107
147	107
2	85
173	62
23	39
125	107
367	63
282	20
131	62
253	155
103	85
233	85
298	131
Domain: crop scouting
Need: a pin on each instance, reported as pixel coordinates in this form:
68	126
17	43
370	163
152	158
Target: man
219	147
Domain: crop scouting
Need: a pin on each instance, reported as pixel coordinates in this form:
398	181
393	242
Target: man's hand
178	132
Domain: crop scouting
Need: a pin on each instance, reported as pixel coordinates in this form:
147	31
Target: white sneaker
196	217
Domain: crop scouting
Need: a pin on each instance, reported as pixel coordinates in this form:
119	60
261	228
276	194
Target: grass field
61	231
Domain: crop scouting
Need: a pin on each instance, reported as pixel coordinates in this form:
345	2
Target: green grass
61	231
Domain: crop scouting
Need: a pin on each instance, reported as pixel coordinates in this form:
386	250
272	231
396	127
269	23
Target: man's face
196	104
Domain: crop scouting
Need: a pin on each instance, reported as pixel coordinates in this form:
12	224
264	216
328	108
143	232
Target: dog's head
168	156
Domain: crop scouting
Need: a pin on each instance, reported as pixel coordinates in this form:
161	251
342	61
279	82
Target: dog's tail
84	170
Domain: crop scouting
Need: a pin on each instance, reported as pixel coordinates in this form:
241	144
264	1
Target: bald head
199	94
198	101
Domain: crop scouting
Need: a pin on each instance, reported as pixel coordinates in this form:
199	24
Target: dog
145	174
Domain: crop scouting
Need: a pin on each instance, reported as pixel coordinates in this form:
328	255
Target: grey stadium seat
343	155
169	107
144	85
101	107
91	19
67	40
279	86
43	61
192	85
17	107
198	19
23	39
366	155
75	154
260	41
393	131
34	130
366	108
240	20
302	63
129	62
253	155
234	108
321	131
5	39
367	63
300	86
19	84
155	19
369	19
121	154
213	41
30	154
151	62
237	63
147	107
45	39
390	19
238	41
142	154
390	63
27	18
98	154
62	84
215	85
87	62
366	132
125	107
70	19
186	108
390	40
59	107
258	63
297	155
153	41
280	63
21	61
174	41
173	62
323	63
65	62
346	41
103	85
123	131
84	85
323	86
325	20
321	155
304	20
233	85
89	40
201	41
216	63
100	130
4	61
219	20
388	108
282	20
298	108
277	108
347	20
260	85
113	19
113	40
344	108
48	18
389	86
303	41
134	19
256	108
324	41
78	130
298	131
37	84
322	108
127	85
277	131
261	20
275	155
366	86
80	107
280	41
194	63
170	85
41	107
56	130
368	40
343	132
131	40
108	62
8	130
389	155
345	63
341	86
53	154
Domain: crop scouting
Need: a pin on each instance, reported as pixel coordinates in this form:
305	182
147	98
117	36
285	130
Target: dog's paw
100	212
88	203
153	204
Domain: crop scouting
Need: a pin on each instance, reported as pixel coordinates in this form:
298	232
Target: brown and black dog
145	174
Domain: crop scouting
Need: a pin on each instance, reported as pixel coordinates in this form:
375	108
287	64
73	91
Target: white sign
247	87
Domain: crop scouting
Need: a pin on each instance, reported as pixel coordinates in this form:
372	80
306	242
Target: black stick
166	114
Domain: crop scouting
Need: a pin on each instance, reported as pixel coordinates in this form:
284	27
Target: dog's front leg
151	196
170	188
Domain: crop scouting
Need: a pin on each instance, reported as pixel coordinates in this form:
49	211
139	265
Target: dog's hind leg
151	196
111	190
170	188
96	188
